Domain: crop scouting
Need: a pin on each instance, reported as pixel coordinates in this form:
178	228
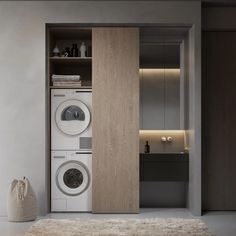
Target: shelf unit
64	37
58	34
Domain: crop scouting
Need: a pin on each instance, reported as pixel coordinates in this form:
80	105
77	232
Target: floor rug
119	227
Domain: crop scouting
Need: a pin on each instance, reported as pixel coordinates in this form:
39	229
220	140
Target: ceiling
210	2
205	2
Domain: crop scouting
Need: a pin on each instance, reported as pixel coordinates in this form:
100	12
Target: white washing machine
71	181
71	119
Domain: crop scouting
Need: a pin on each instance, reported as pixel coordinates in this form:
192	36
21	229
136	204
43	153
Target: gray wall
194	121
22	73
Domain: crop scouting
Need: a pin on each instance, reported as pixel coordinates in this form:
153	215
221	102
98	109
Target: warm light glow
177	70
159	73
156	134
160	131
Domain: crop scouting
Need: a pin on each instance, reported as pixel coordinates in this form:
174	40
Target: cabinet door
160	99
172	99
115	69
152	99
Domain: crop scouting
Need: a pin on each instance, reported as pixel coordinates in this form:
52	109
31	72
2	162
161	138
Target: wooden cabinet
112	64
160	99
115	124
172	99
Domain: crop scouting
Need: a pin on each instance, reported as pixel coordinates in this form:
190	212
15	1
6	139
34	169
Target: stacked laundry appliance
71	148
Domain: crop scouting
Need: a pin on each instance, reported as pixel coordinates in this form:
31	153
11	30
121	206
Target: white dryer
71	119
71	181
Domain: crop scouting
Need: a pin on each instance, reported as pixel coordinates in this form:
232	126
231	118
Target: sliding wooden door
115	72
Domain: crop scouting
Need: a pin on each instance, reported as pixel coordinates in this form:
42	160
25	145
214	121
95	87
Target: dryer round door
72	178
72	117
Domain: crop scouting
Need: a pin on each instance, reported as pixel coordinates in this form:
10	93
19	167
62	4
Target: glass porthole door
72	117
72	178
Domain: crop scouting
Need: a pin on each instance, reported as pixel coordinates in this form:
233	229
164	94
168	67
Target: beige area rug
119	227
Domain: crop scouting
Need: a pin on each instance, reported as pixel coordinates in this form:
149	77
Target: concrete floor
220	223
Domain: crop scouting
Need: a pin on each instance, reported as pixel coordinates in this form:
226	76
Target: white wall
22	73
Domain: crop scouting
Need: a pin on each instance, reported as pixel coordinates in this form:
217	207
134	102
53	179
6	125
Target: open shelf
71	60
62	33
64	37
70	87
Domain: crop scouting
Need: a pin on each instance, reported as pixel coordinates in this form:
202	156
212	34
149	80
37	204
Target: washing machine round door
72	117
72	178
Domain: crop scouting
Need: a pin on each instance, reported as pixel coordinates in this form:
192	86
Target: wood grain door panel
115	75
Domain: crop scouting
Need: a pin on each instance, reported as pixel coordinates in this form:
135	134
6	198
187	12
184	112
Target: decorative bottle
56	51
74	50
82	50
146	148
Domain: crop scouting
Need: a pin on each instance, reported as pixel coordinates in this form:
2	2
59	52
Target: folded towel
86	82
65	77
66	80
78	84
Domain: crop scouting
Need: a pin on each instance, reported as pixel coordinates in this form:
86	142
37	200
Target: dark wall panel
219	120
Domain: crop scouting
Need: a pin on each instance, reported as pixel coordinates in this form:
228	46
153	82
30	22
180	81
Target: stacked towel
66	80
65	77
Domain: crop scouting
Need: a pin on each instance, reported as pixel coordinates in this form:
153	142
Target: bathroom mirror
160	80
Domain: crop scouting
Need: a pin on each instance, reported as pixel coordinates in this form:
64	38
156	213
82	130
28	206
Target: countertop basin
167	157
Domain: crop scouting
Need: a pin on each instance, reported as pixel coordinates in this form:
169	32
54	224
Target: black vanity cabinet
164	167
